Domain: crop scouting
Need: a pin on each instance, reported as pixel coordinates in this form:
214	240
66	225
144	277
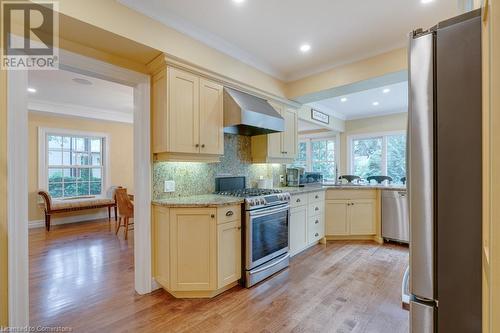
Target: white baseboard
69	219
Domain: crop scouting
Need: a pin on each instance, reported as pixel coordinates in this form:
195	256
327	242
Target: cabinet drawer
316	196
340	194
316	208
298	200
228	214
316	228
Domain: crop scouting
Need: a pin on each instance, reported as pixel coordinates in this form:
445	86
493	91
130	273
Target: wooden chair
125	210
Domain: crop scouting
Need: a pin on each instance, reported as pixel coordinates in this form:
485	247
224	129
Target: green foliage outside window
74	166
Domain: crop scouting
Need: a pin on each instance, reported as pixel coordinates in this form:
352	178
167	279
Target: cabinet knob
196	145
316	222
298	200
212	216
316	235
239	228
203	146
316	196
229	213
317	208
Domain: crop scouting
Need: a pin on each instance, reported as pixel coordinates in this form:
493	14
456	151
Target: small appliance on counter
311	178
293	176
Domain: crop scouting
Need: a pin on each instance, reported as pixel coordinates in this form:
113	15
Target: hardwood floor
81	276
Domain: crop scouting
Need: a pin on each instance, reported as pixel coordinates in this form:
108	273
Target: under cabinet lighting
386	90
343	99
375	103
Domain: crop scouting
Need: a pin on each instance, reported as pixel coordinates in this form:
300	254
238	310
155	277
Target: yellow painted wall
394	122
380	65
3	200
112	16
120	154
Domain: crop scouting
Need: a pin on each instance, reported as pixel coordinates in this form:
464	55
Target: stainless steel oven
266	242
266	220
266	234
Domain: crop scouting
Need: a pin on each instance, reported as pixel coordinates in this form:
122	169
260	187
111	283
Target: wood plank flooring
81	276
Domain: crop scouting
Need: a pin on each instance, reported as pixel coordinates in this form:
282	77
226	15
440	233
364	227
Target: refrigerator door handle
421	165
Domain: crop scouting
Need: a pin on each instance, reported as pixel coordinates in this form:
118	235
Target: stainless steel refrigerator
444	176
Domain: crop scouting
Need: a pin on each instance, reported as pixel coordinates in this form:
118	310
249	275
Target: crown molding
79	111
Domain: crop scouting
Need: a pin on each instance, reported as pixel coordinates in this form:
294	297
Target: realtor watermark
27	329
29	35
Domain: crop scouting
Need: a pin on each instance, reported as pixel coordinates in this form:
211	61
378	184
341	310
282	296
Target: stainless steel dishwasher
395	220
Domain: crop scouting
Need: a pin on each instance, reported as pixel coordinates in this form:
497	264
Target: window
318	155
72	163
379	155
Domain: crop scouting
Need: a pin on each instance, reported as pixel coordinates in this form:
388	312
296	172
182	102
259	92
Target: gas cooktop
249	192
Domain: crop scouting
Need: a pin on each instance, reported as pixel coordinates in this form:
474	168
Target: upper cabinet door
211	118
275	149
289	136
183	102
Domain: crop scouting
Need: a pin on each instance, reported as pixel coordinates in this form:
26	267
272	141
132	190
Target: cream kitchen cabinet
187	117
298	229
277	147
196	252
306	221
351	217
229	258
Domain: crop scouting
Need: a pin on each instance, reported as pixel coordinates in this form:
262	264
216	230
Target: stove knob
262	201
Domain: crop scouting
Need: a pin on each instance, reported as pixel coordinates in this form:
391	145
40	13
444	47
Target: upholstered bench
55	206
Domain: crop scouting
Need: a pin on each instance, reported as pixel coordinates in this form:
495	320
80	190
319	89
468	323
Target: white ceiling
360	104
267	34
56	92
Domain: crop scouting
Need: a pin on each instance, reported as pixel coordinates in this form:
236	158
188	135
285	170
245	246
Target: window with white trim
74	164
378	155
318	155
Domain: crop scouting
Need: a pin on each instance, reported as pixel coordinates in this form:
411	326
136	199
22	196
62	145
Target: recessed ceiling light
82	81
305	47
426	1
31	90
238	1
343	99
375	103
386	90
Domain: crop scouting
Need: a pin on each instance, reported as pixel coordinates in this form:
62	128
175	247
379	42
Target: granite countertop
315	188
204	200
301	190
366	187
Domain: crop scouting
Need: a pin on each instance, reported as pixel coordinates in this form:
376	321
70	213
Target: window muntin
318	155
323	158
367	157
74	165
379	155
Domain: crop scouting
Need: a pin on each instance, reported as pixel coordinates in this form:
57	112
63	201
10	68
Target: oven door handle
268	211
260	269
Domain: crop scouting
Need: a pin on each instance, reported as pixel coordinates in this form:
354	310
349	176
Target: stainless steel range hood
248	115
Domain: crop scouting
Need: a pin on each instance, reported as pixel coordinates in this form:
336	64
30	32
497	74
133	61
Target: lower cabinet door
298	229
337	218
193	238
228	253
362	217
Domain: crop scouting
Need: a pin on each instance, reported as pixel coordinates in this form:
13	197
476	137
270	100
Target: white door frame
17	152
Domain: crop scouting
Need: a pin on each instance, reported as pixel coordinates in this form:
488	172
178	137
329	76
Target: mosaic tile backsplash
199	178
